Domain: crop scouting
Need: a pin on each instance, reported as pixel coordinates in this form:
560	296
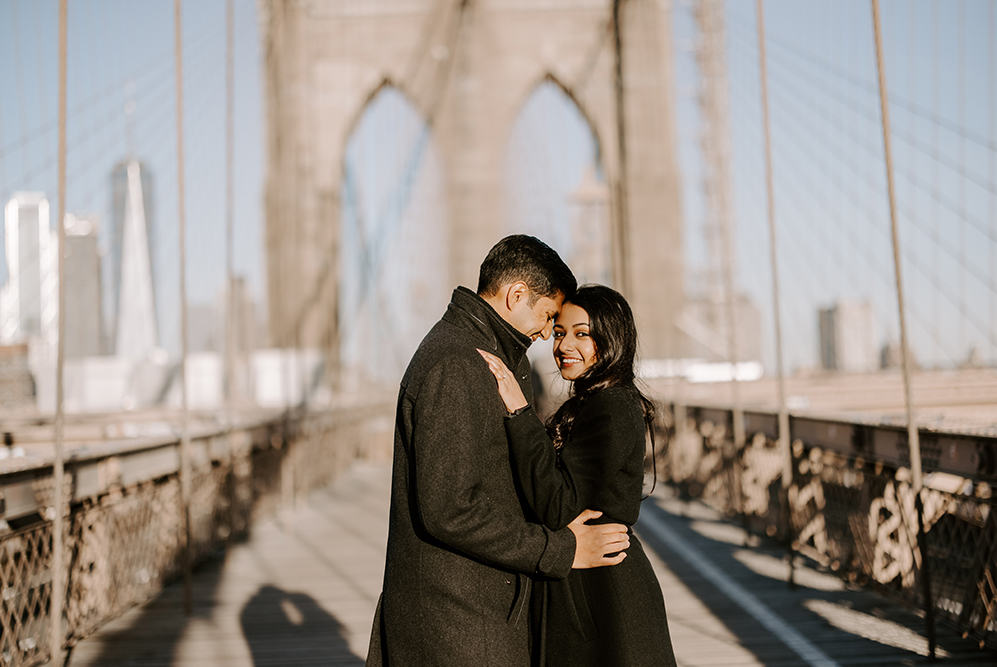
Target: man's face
536	321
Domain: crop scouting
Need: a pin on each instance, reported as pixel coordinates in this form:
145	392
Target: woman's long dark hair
612	328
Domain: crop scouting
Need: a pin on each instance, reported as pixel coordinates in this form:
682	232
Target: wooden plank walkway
302	591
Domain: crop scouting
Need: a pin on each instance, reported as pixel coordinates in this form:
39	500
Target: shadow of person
283	628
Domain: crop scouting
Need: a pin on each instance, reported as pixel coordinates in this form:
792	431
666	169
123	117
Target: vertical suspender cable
58	581
992	104
787	461
935	179
287	223
716	154
620	272
229	379
229	201
721	156
962	182
185	466
912	433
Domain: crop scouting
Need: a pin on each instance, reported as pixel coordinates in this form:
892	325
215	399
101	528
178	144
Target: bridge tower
468	66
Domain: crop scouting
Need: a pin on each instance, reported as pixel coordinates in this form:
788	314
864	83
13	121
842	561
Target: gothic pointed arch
393	238
554	179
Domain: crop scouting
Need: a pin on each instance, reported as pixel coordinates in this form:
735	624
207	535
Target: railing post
287	470
679	414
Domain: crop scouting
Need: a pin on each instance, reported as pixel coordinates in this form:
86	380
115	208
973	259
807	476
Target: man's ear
515	293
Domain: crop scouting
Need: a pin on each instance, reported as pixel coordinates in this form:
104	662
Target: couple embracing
509	542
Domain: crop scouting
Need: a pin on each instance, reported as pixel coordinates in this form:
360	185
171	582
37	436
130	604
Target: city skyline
830	182
121	106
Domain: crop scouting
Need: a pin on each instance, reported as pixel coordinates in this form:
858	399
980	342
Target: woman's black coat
461	549
611	615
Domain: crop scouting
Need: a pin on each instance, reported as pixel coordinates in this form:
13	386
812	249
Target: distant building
246	330
247	336
206	322
130	309
125	262
207	338
84	330
205	328
848	337
29	301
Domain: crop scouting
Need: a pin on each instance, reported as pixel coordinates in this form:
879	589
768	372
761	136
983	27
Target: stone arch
386	83
467	62
565	199
393	238
553	79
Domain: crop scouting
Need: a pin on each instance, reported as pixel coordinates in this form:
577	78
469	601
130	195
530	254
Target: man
462	548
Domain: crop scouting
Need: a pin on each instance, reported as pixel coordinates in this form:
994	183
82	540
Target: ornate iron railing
125	536
850	504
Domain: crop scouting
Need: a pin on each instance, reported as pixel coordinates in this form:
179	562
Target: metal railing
850	505
124	522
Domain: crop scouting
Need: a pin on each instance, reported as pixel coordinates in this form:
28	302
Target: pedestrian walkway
302	591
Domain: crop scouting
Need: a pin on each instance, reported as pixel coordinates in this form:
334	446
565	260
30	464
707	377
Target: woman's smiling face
574	349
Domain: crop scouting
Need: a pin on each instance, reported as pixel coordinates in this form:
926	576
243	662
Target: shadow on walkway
852	625
149	635
283	628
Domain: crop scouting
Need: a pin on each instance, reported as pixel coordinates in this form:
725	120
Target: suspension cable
185	463
787	466
229	205
912	433
58	472
950	296
992	104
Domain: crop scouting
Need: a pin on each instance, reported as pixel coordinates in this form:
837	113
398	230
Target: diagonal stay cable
937	195
953	299
797	168
151	66
870	87
47	163
793	197
933	191
859	245
957	209
809	248
978	223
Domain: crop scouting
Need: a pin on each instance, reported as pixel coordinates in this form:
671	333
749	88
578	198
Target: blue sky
831	206
830	182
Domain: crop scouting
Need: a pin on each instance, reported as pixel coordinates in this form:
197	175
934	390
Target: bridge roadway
302	591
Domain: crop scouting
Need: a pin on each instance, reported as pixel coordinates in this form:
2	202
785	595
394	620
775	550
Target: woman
591	455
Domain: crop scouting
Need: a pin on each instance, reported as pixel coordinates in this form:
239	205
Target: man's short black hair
526	258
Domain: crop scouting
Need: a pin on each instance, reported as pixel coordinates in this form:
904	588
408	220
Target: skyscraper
130	324
29	301
848	337
83	302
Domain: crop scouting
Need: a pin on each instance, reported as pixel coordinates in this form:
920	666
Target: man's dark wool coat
461	550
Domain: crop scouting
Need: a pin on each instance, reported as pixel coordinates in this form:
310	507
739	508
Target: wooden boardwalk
303	589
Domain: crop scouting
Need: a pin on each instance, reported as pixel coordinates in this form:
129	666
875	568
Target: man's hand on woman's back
594	542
